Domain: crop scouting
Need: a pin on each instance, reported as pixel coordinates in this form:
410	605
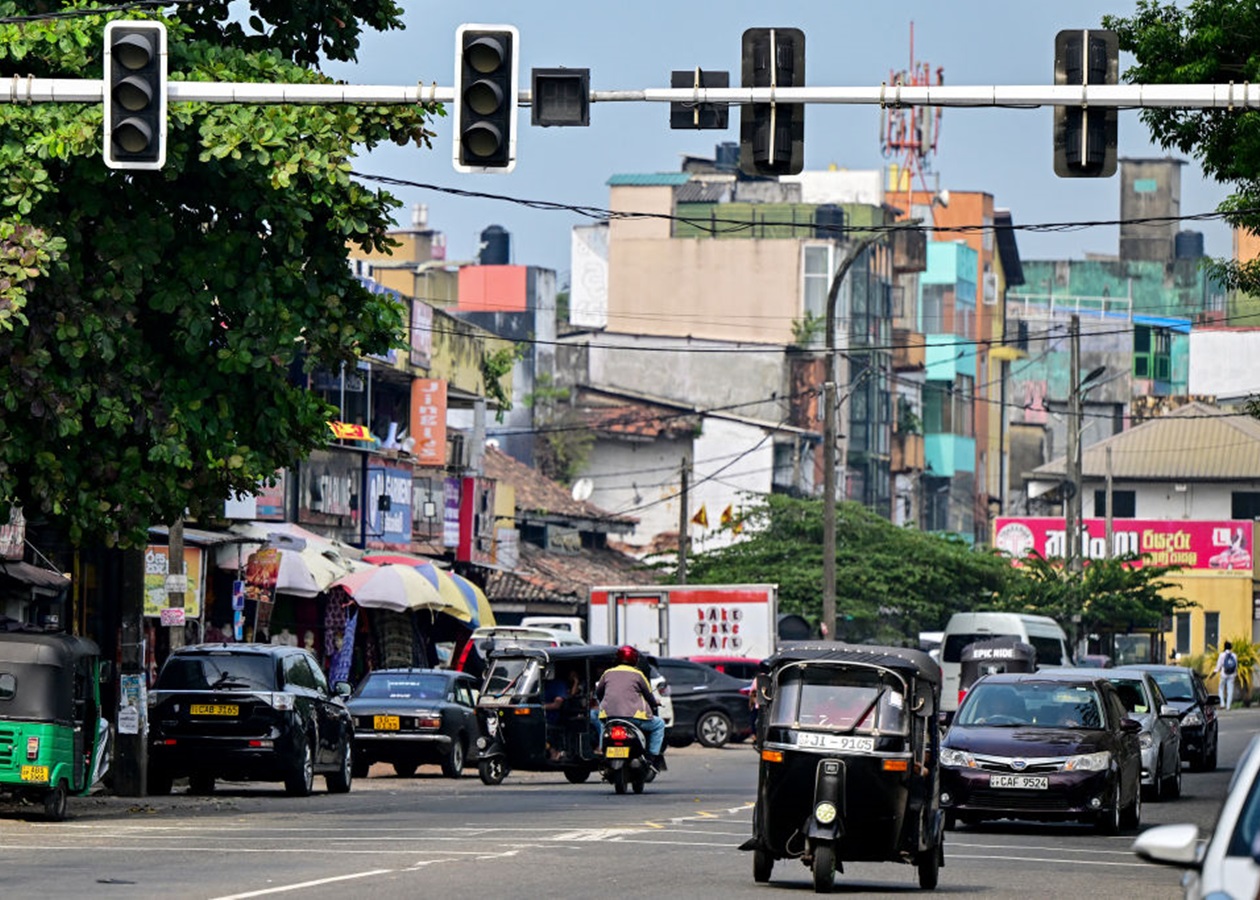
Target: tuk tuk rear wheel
824	868
763	865
492	770
930	868
55	804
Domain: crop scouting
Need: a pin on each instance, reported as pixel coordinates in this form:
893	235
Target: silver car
1160	736
1228	865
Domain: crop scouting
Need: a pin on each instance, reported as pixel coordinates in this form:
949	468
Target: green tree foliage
563	443
891	582
1204	42
1108	594
155	326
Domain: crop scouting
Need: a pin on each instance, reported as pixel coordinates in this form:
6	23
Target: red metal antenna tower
911	133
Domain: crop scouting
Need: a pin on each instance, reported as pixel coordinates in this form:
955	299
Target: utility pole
176	579
1071	504
683	523
1107	502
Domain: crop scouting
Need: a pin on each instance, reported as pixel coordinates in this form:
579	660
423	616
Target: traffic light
1085	138
135	95
560	97
772	135
698	115
485	98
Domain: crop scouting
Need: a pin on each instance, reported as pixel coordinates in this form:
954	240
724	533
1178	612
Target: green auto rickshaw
54	740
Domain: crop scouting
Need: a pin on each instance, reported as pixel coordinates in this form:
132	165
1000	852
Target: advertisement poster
389	520
1220	546
156	567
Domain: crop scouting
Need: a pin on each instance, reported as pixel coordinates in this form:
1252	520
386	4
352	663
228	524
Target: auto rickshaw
849	761
535	710
989	657
51	722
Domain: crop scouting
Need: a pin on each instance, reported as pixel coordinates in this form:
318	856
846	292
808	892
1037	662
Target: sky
631	46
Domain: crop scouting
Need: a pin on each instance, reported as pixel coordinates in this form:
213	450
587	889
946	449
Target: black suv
247	712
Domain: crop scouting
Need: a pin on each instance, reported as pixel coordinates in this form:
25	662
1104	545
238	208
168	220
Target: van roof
969	621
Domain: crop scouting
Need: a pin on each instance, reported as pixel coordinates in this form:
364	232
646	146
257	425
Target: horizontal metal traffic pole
26	89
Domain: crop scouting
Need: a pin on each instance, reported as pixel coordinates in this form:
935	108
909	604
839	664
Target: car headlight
1088	762
1146	740
957	758
1194	717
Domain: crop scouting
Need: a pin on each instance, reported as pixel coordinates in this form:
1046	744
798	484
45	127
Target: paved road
536	836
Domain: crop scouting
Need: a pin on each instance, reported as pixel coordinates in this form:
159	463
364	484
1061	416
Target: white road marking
1033	849
594	834
304	884
1056	862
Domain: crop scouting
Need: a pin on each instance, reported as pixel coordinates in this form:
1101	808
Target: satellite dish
582	489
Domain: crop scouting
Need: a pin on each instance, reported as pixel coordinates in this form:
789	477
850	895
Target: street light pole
829	428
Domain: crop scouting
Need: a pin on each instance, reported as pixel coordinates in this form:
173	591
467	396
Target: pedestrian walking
1227	668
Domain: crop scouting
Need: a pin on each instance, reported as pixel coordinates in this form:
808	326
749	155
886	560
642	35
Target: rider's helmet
627	656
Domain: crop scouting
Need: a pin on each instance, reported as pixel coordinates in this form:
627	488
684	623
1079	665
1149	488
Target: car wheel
339	782
1132	817
1209	762
301	778
824	868
201	784
1108	821
1156	790
763	865
951	820
714	729
492	770
55	803
453	762
1173	789
159	783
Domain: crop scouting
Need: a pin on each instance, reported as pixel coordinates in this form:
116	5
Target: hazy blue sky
635	45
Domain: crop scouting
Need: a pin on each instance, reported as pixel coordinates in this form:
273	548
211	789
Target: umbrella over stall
399	588
447	584
288	565
482	613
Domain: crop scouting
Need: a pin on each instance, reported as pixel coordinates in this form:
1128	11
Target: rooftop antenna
911	134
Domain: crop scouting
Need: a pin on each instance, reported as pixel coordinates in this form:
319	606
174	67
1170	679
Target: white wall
1160	500
1223	363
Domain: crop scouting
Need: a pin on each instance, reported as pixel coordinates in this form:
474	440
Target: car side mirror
1129	726
1168	711
1170	845
1213	700
342	689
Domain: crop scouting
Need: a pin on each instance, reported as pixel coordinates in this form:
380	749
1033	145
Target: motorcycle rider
625	693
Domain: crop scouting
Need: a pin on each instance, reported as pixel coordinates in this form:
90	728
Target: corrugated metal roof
650	179
704	192
1196	442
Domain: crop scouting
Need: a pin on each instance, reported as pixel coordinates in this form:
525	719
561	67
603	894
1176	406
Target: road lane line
318	882
1036	849
1056	862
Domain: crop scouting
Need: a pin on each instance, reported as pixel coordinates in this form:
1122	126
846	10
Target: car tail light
429	720
258	744
282	701
962	692
32	747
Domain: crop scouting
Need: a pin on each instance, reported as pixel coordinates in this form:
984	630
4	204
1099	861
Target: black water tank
829	222
495	246
1188	245
727	156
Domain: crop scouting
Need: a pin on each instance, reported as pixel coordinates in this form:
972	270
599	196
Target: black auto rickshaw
991	656
51	724
849	761
535	710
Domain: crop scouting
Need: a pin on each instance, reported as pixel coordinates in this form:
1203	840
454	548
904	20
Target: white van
1042	632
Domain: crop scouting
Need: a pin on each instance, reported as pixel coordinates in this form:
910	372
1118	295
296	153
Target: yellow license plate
35	773
215	709
617	753
385	723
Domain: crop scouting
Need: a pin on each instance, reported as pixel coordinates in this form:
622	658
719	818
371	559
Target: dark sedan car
411	716
1048	745
1184	689
709	706
248	711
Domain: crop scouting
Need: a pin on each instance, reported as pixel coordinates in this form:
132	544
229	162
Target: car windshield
511	676
1176	685
837	701
1132	693
226	671
1036	704
385	686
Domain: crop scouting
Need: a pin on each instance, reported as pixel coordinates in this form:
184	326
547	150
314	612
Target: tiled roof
540	575
621	415
651	179
536	493
1195	442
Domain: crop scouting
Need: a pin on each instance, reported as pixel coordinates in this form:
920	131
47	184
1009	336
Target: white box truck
687	620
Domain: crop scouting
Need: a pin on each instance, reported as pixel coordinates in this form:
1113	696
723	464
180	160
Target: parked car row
1082	744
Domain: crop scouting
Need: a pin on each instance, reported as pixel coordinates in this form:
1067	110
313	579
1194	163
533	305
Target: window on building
1181	627
1244	505
932	309
1123	504
1152	352
1212	630
817	268
963	401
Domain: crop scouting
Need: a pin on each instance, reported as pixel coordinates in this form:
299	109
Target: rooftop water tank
1188	245
496	246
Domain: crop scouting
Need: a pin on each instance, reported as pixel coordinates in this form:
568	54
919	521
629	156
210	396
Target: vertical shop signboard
428	421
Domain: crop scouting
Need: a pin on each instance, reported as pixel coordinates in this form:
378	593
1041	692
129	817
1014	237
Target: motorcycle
624	754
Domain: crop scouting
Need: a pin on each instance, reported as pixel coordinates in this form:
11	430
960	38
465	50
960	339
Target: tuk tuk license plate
1021	782
617	753
836	742
215	709
385	723
35	773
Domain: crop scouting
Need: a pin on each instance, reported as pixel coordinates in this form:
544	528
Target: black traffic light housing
772	135
486	89
699	115
1085	139
135	95
560	97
